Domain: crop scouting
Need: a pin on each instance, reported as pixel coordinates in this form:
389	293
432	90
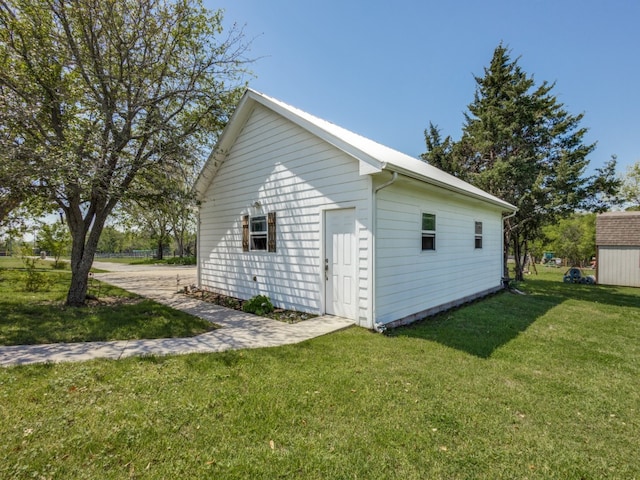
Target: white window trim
429	232
253	234
477	235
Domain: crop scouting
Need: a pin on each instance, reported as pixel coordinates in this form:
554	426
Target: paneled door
340	264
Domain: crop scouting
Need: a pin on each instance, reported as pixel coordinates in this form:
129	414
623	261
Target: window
259	233
428	231
478	241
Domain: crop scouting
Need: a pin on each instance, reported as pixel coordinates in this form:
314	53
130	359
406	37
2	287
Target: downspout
505	280
198	252
394	177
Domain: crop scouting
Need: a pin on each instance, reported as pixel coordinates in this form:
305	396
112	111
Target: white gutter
374	215
198	251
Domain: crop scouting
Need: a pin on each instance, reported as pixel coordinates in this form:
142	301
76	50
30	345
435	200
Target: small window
428	231
478	238
258	233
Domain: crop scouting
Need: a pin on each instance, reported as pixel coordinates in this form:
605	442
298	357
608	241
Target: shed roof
618	229
373	157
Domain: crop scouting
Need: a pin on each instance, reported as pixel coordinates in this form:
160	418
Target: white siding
409	280
619	266
297	175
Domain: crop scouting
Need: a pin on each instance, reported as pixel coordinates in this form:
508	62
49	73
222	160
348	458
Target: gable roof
618	229
373	157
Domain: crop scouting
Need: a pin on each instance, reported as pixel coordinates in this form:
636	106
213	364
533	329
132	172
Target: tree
151	220
111	92
54	239
630	190
520	144
439	150
573	238
111	240
182	221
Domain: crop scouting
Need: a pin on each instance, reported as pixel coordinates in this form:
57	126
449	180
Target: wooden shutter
245	233
271	232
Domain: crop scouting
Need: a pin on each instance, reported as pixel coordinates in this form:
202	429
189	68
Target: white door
340	265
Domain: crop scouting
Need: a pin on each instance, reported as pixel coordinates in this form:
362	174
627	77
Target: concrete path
160	283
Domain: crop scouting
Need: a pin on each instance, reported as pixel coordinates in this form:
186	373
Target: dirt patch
282	315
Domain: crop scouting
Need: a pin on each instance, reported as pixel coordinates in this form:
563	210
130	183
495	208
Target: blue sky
385	69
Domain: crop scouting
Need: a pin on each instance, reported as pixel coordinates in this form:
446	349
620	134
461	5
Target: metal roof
373	156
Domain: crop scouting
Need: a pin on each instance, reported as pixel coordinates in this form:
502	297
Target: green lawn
542	386
40	317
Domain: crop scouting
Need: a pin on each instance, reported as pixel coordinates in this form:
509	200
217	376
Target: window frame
428	233
253	234
478	235
249	233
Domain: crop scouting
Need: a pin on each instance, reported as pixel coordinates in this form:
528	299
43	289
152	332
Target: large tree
111	92
630	190
520	144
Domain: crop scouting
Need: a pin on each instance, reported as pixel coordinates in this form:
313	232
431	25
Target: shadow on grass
484	326
42	323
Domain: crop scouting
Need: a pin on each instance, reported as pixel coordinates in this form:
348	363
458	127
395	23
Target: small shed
618	248
325	221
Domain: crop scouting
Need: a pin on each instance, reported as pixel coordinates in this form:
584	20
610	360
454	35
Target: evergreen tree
520	144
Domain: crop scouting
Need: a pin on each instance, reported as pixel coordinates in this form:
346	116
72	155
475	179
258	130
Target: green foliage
55	240
520	144
181	261
630	190
34	279
259	305
573	238
98	97
439	150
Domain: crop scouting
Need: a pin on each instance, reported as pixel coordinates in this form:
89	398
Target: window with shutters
428	231
259	233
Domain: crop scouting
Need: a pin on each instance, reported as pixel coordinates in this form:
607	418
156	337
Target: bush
259	305
182	261
34	280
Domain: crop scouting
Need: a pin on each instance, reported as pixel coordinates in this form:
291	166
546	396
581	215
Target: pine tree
520	144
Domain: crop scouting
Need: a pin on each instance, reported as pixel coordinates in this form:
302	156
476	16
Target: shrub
260	305
182	261
33	279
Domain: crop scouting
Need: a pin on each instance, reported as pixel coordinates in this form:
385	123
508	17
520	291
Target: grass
542	386
40	317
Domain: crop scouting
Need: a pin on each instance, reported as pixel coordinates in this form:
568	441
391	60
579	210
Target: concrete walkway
160	283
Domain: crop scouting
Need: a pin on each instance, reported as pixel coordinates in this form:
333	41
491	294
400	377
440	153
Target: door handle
326	269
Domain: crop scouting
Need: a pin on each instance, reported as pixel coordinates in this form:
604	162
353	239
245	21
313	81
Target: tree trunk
505	255
160	254
84	244
77	294
517	252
